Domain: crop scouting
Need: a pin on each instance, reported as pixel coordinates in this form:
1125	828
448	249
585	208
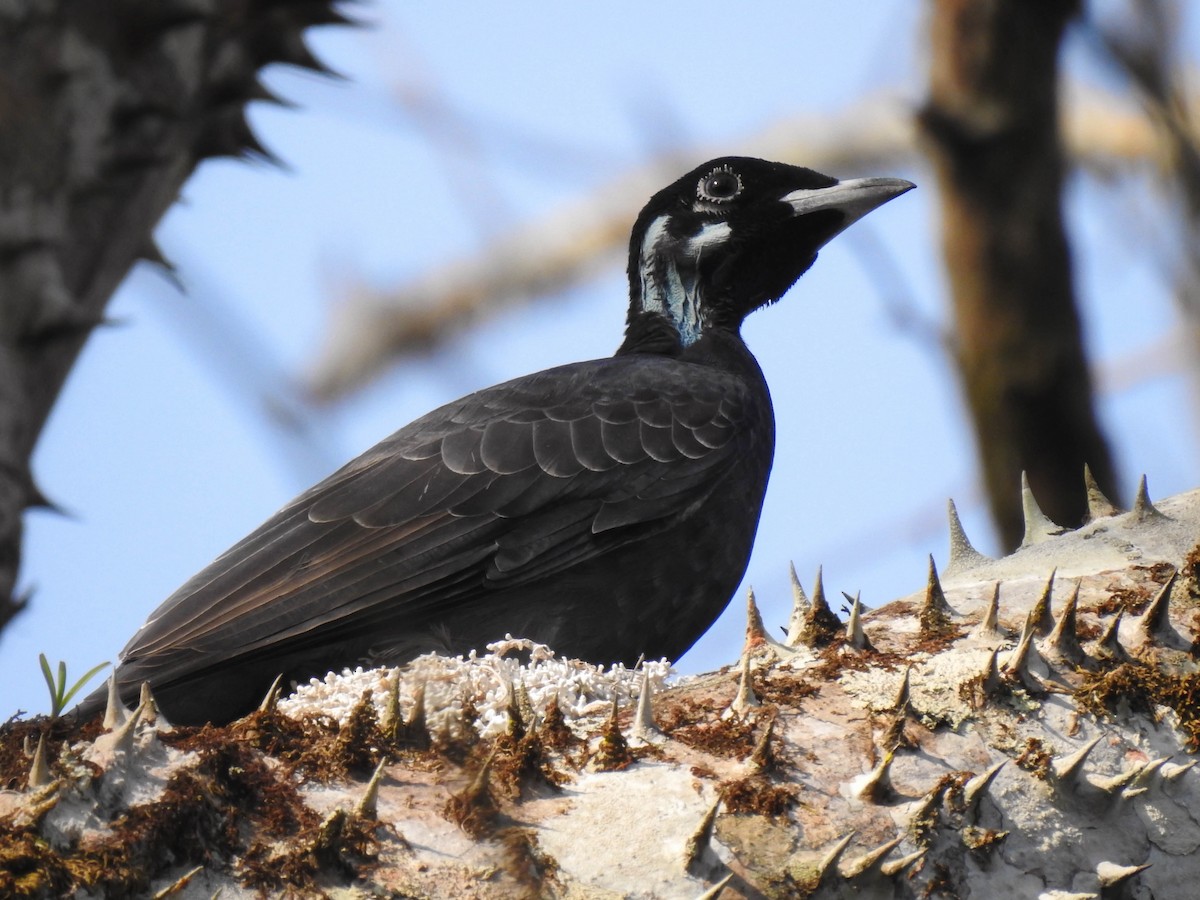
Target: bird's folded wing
502	488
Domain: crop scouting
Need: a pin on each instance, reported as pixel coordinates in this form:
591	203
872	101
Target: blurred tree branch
370	329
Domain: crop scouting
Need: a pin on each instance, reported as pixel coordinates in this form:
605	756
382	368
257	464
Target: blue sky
161	453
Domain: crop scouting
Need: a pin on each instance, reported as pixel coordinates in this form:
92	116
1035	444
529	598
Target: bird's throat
670	277
675	297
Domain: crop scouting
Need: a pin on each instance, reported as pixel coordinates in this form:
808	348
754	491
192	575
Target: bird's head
730	236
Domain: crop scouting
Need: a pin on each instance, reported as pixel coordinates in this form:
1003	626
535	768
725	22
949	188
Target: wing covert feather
507	446
553	450
623	441
461	451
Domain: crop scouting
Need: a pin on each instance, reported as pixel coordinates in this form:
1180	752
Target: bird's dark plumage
606	508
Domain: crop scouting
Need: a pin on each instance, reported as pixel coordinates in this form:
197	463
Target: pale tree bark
106	107
992	130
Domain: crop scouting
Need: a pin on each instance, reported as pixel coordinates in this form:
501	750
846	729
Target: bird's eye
719	186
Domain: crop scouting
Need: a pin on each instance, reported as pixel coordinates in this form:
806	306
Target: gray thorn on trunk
178	884
745	699
270	702
1099	506
988	628
115	712
1038	526
855	636
39	771
795	629
1151	768
828	866
1063	641
1016	667
717	889
392	721
871	862
1068	769
1155	623
757	637
993	682
877	786
1112	874
898	866
124	735
1115	784
699	845
762	758
820	623
935	611
147	701
978	785
1040	616
1142	507
926	810
1109	643
368	806
963	555
1172	772
644	728
902	704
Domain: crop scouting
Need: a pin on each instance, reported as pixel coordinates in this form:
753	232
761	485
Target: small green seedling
60	696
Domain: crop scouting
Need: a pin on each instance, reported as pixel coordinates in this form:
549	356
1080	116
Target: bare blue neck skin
669	275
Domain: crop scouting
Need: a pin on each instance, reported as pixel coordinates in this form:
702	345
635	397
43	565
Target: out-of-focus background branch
457	211
372	329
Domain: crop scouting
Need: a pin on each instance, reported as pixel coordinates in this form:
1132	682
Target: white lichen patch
451	685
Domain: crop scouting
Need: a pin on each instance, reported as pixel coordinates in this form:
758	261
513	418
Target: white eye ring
720	185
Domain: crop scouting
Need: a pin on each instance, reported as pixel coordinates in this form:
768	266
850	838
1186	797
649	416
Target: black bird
605	508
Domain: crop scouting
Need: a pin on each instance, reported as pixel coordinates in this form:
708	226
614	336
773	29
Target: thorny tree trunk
819	769
106	107
991	125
